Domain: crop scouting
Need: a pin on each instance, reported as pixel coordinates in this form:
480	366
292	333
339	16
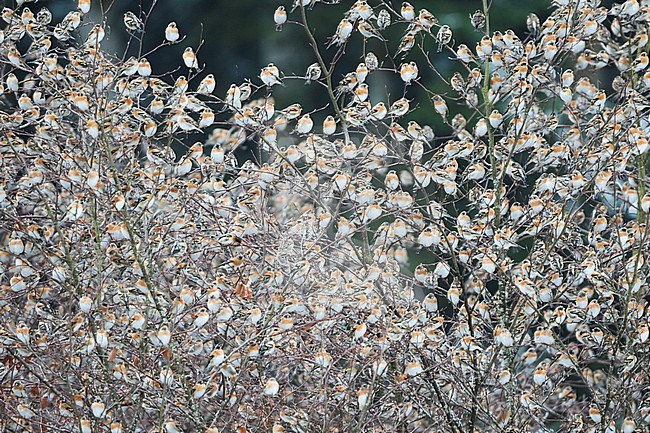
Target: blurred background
235	38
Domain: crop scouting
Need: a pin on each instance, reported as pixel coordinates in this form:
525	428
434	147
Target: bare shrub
355	276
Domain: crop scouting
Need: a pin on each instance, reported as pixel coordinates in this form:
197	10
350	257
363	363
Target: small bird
347	84
444	36
379	111
368	31
171	32
567	78
293	111
270	136
22	333
164	335
371	61
478	20
144	68
233	96
406	44
641	62
270	75
207	85
408	72
343	32
189	58
280	17
407	12
426	19
304	3
361	72
304	125
440	106
25	411
71	21
362	398
271	387
533	24
399	108
329	125
360	93
246	90
313	73
172	427
383	19
201	318
413	368
83	6
475	172
629	8
495	118
44	16
391	180
415	130
98	409
14	57
132	22
594	414
361	9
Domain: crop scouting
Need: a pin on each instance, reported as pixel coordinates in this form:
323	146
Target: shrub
366	275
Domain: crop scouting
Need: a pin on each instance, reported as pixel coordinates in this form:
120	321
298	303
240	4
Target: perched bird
207	85
132	22
361	9
329	125
361	72
440	106
270	75
641	62
362	398
44	16
270	136
383	19
347	84
406	44
444	36
426	19
14	57
532	23
379	111
233	96
407	11
280	17
171	32
478	20
313	73
83	6
360	93
343	32
408	72
271	387
303	3
98	409
293	111
399	108
371	61
172	427
304	125
391	180
368	31
189	58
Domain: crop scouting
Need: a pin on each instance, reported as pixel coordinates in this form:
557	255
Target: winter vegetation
359	272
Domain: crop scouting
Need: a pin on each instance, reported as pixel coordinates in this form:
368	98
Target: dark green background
238	36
